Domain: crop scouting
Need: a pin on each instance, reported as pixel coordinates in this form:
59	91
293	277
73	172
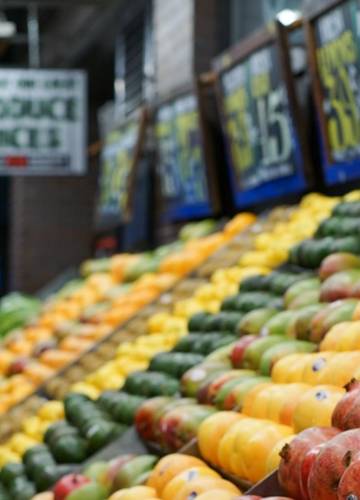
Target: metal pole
33	36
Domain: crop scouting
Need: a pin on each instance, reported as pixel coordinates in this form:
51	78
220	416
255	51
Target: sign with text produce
43	122
116	170
184	181
336	37
263	143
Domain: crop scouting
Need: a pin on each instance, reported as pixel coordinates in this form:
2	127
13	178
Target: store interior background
134	51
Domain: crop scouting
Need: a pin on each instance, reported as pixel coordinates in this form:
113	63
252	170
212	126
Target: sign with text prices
117	163
259	110
43	122
182	168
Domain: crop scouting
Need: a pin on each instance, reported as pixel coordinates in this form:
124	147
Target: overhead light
288	16
7	28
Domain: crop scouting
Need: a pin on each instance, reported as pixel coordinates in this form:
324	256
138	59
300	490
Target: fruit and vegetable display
253	360
89	309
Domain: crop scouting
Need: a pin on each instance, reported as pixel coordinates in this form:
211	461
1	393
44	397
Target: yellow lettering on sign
190	154
343	117
260	85
236	105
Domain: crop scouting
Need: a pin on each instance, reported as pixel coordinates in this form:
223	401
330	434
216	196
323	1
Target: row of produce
247	341
87	310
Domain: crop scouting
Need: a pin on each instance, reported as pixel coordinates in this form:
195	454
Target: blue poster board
261	134
120	156
334	35
182	170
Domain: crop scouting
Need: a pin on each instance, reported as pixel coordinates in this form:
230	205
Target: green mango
253	321
221	354
225	390
235	397
256	349
96	470
299	288
276	352
132	470
334	313
306	299
300	327
194	378
278	324
90	491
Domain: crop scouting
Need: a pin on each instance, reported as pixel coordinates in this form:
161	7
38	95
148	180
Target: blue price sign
261	134
182	169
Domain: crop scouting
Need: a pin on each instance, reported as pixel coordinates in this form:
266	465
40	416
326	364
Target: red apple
237	354
330	464
67	484
293	454
349	486
346	414
17	366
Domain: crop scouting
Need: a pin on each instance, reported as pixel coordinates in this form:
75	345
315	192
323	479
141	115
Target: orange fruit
316	406
56	358
202	485
20	346
186	478
6	358
75	344
36	334
218	494
211	431
170	466
38	373
273	459
134	493
258	447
